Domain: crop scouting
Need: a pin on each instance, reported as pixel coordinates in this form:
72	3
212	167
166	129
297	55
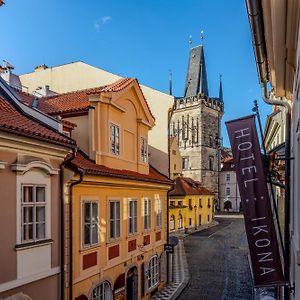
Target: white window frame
117	221
226	191
102	291
92	223
158	211
132	218
153	272
34	205
185	166
114	139
147	213
144	150
227	177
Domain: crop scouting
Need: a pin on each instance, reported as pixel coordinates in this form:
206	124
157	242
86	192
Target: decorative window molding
23	168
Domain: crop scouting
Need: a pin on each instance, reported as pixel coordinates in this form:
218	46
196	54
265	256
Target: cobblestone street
218	264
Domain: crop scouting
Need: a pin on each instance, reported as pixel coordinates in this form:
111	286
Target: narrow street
218	263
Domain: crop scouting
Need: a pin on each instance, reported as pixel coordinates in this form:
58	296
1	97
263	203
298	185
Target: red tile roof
228	164
76	101
82	161
184	186
12	120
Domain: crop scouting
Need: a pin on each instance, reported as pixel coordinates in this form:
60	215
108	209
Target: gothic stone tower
196	123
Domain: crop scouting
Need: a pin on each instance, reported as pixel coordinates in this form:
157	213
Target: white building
230	199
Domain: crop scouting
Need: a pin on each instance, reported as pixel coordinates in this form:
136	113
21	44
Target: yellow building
116	203
190	205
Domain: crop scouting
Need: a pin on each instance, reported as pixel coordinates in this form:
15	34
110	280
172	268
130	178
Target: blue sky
142	39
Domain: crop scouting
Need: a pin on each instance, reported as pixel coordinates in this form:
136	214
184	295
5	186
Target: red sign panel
260	230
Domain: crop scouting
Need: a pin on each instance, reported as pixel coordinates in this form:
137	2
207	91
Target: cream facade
79	75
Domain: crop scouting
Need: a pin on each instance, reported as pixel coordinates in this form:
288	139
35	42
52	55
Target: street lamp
218	142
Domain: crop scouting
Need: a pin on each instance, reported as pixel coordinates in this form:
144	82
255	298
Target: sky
142	39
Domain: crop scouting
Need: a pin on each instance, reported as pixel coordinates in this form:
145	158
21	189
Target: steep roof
83	162
196	79
184	186
14	121
227	164
76	101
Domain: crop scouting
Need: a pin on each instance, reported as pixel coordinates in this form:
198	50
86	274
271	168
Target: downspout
62	222
271	100
81	174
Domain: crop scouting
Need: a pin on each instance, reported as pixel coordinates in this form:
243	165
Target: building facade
196	124
32	149
79	75
230	199
275	33
115	203
190	205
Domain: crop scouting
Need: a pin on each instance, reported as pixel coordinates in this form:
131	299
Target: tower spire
221	89
196	80
170	82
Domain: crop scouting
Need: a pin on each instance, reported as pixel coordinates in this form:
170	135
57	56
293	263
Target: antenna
190	41
202	37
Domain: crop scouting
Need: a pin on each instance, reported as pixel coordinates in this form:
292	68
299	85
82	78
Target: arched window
172	222
179	220
102	292
211	163
153	272
211	142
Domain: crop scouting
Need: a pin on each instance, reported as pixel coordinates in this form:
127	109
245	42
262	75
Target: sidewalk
180	271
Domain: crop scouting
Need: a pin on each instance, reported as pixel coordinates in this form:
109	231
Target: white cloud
102	21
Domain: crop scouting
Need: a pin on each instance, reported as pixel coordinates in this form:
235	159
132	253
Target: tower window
185	163
211	163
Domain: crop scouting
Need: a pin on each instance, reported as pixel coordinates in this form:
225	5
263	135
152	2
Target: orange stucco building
115	202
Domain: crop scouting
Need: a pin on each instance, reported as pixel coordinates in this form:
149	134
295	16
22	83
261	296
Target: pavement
218	262
179	268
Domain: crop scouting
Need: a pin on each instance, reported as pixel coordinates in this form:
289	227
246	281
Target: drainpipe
81	174
271	100
62	218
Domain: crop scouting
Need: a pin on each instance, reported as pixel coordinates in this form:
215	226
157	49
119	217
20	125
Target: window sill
112	241
29	245
89	248
132	235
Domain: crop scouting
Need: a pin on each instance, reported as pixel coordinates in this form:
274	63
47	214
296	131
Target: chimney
40	68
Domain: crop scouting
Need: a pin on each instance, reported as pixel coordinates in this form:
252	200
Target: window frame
100	295
134	217
153	272
158	202
227	177
113	139
34	204
226	191
147	214
144	150
115	237
91	244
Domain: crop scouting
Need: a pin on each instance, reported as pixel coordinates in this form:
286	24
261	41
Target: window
211	144
144	150
208	218
153	272
211	163
159	212
102	292
33	213
132	216
172	222
91	221
199	219
190	221
114	139
200	202
208	203
147	213
174	167
227	177
179	220
185	163
174	152
190	204
114	219
228	191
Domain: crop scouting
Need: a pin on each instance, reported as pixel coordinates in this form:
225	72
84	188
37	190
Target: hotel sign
260	230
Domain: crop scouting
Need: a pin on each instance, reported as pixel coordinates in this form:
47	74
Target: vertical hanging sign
260	230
